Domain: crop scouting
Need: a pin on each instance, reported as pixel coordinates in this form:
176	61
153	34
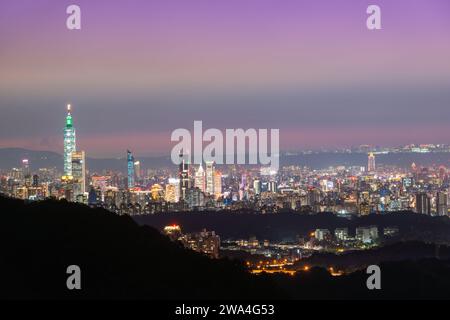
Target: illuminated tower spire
69	142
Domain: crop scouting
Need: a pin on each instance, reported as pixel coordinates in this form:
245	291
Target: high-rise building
170	195
79	172
423	203
137	170
183	174
130	169
25	175
200	179
322	234
35	180
175	184
367	234
210	177
206	242
257	186
69	142
341	234
217	184
243	188
194	198
272	186
442	203
25	167
156	192
371	163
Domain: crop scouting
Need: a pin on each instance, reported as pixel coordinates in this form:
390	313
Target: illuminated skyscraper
200	181
243	187
210	177
130	169
183	174
217	184
25	167
442	203
79	172
26	174
137	171
423	203
371	163
170	195
257	186
69	142
175	184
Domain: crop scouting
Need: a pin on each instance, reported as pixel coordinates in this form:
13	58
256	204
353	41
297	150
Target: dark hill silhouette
118	258
121	260
422	279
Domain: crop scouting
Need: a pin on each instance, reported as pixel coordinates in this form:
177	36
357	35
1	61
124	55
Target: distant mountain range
12	157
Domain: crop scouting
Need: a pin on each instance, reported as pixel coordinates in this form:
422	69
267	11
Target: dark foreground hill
121	260
118	258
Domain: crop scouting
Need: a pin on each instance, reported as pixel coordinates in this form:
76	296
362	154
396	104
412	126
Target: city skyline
136	72
244	151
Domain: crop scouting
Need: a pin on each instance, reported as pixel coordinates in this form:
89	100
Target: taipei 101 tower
69	143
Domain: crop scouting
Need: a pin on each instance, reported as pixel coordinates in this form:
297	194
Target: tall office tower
25	174
175	182
25	167
130	169
183	174
195	198
423	203
170	195
442	203
69	142
217	184
35	180
257	186
79	172
137	170
242	187
210	177
200	179
371	163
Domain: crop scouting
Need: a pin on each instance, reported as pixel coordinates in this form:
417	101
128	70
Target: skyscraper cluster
195	188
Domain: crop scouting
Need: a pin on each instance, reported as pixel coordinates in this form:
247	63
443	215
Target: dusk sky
137	70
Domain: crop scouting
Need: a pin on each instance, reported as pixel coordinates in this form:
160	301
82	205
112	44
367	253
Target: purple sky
139	69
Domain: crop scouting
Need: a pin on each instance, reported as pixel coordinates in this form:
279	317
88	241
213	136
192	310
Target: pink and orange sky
137	70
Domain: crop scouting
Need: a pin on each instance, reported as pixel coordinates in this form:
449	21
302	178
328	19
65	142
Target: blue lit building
130	169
